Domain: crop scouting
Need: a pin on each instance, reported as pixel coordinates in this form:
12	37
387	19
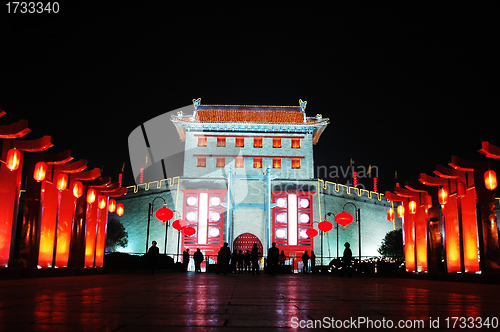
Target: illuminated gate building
248	177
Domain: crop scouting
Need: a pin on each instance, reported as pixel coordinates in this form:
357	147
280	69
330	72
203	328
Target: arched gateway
245	242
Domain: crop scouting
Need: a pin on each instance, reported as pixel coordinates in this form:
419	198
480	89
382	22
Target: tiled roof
255	114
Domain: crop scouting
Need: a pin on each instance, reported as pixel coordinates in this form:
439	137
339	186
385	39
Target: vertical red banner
90	233
101	235
469	229
65	226
408	237
48	224
9	204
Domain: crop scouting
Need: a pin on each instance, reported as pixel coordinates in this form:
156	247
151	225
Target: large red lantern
62	181
40	171
78	189
390	214
490	180
401	211
13	159
119	209
311	232
344	219
442	196
325	226
189	231
179	224
112	205
91	195
413	207
164	214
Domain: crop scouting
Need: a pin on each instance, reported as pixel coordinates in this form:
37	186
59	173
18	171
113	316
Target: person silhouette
240	258
273	259
282	260
153	253
224	256
255	259
185	260
313	262
198	258
305	261
248	261
346	260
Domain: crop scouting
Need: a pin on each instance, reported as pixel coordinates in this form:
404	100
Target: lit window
281	217
281	233
240	142
191	216
276	162
215	216
295	143
215	201
303	233
276	142
201	161
191	200
220	161
257	142
304	203
295	162
281	202
304	218
221	141
239	162
257	162
213	232
202	141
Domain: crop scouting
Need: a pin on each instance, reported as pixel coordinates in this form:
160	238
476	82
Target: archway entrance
245	242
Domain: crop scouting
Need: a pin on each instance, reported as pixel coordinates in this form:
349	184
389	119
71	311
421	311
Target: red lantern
179	224
91	195
490	180
102	202
344	218
189	231
62	181
390	214
413	207
325	226
40	171
13	159
401	211
112	205
119	209
78	189
164	214
311	232
442	196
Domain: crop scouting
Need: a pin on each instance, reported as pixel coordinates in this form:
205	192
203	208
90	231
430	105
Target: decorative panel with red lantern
292	218
203	212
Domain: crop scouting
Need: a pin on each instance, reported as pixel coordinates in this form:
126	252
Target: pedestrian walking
273	259
198	258
152	256
305	261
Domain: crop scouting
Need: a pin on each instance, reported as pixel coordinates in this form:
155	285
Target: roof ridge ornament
196	103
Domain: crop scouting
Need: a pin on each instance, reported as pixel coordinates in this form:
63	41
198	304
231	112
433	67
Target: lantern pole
329	214
358	220
150	212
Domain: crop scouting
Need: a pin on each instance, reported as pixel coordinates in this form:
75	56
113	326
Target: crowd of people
239	262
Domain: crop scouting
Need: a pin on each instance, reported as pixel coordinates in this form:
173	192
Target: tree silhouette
392	245
117	236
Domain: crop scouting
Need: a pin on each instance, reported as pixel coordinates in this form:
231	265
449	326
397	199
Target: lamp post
150	212
326	226
358	220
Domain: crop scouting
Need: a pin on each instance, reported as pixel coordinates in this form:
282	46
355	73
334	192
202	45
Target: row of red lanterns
490	182
165	214
343	219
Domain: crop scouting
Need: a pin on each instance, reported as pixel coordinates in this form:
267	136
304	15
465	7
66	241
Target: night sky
405	86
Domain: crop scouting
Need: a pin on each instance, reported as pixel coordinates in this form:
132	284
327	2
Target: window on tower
220	161
276	142
295	162
295	143
240	142
202	141
276	162
201	161
257	162
257	142
221	141
239	162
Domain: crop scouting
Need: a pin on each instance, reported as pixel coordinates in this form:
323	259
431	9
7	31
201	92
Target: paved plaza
209	302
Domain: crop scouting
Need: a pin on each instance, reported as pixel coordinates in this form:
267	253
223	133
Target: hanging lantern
461	191
179	224
119	209
189	231
62	181
344	219
490	180
91	195
401	211
13	159
442	196
102	202
390	214
164	214
112	205
78	189
311	232
325	226
40	171
413	207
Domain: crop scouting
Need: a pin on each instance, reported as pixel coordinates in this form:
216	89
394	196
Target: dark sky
405	86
